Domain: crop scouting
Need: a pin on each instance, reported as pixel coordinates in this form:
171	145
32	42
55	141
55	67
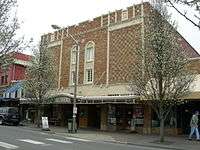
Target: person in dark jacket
194	126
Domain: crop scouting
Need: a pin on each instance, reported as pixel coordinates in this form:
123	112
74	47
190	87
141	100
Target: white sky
38	16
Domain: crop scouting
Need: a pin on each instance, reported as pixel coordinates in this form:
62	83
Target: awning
14	87
2	99
66	98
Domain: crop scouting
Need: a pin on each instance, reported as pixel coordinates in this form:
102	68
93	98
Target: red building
14	73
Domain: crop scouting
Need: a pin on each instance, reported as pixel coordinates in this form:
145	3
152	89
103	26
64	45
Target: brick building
10	79
106	54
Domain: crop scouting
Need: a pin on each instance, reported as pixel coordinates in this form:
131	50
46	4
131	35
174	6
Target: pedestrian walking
194	126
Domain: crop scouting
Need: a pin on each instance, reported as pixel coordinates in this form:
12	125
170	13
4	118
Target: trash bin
70	125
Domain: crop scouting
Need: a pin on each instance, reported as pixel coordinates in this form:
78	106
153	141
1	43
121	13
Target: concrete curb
122	142
145	145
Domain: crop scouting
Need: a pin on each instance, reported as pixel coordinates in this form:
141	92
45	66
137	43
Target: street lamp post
75	89
75	77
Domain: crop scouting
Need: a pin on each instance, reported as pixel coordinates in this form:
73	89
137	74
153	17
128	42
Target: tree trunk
162	129
38	116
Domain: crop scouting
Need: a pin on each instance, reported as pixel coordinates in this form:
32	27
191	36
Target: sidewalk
172	142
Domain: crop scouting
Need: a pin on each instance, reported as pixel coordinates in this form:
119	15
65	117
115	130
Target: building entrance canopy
68	99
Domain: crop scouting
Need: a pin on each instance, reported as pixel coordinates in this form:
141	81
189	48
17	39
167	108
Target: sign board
45	124
74	110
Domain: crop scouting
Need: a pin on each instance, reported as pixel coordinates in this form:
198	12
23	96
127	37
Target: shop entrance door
185	114
94	116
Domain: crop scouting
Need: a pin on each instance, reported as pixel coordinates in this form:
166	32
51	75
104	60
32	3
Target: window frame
73	55
72	77
89	63
73	63
90	47
89	75
2	80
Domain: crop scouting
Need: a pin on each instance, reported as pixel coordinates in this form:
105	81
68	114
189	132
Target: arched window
74	51
89	63
73	55
89	51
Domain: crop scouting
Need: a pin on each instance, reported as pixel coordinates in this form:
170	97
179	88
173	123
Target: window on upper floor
6	79
73	77
89	63
73	55
89	52
2	80
89	76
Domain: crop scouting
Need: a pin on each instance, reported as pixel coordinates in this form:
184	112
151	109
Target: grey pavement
172	142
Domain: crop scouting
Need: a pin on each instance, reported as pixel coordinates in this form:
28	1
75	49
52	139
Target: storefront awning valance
14	88
68	99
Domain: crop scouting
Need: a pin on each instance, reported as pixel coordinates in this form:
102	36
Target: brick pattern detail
99	37
112	18
122	46
123	42
138	11
119	15
56	53
66	56
130	12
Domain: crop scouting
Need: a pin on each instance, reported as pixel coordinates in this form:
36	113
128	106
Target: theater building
105	58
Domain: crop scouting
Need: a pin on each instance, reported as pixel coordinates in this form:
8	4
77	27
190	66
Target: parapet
102	21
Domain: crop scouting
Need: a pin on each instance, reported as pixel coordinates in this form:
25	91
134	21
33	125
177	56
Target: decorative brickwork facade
115	36
115	40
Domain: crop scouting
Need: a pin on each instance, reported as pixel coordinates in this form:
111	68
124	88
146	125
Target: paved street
24	139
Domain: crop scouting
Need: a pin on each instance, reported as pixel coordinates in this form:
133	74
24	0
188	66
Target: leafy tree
160	76
40	78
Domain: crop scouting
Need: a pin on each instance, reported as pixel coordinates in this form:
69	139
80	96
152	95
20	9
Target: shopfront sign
74	110
45	124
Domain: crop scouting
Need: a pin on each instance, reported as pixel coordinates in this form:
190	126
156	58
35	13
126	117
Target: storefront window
170	121
111	115
138	116
155	121
124	116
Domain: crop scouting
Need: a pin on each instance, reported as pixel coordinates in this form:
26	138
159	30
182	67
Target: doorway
185	113
94	116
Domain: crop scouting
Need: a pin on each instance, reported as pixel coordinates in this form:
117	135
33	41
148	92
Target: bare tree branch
184	14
